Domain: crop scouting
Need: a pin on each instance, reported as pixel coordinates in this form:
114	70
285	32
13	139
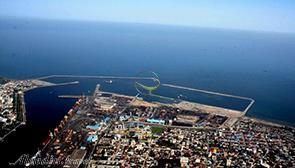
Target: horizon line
148	23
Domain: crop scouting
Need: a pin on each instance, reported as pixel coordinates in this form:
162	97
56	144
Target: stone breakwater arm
215	93
95	77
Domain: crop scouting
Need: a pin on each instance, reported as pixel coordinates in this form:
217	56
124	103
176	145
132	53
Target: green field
157	130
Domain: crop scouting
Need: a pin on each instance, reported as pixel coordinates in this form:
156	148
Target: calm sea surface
253	64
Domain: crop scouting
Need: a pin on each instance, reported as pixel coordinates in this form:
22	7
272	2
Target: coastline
252	101
35	84
234	115
39	82
270	122
238	115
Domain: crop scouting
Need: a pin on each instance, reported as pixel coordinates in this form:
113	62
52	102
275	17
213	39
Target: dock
96	91
70	96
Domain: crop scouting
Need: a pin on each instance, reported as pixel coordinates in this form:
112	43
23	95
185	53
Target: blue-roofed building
92	138
93	127
156	121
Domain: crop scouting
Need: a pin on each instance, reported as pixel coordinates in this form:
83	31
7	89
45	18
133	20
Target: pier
66	83
70	96
95	77
215	93
96	91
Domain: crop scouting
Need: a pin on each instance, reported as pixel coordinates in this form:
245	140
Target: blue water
86	86
44	111
253	64
259	65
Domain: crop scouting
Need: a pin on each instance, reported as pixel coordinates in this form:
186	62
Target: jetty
70	96
215	93
95	77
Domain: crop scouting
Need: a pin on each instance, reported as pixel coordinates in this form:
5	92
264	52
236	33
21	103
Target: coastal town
112	130
147	84
12	104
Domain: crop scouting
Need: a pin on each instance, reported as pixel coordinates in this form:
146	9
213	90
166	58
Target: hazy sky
266	15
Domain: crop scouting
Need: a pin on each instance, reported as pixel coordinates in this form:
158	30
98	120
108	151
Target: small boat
109	81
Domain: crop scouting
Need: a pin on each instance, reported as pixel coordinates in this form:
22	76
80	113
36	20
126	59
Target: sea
259	65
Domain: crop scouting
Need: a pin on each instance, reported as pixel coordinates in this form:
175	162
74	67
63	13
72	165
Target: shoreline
270	122
41	83
36	84
252	101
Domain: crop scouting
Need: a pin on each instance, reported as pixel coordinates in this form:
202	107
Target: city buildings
133	133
